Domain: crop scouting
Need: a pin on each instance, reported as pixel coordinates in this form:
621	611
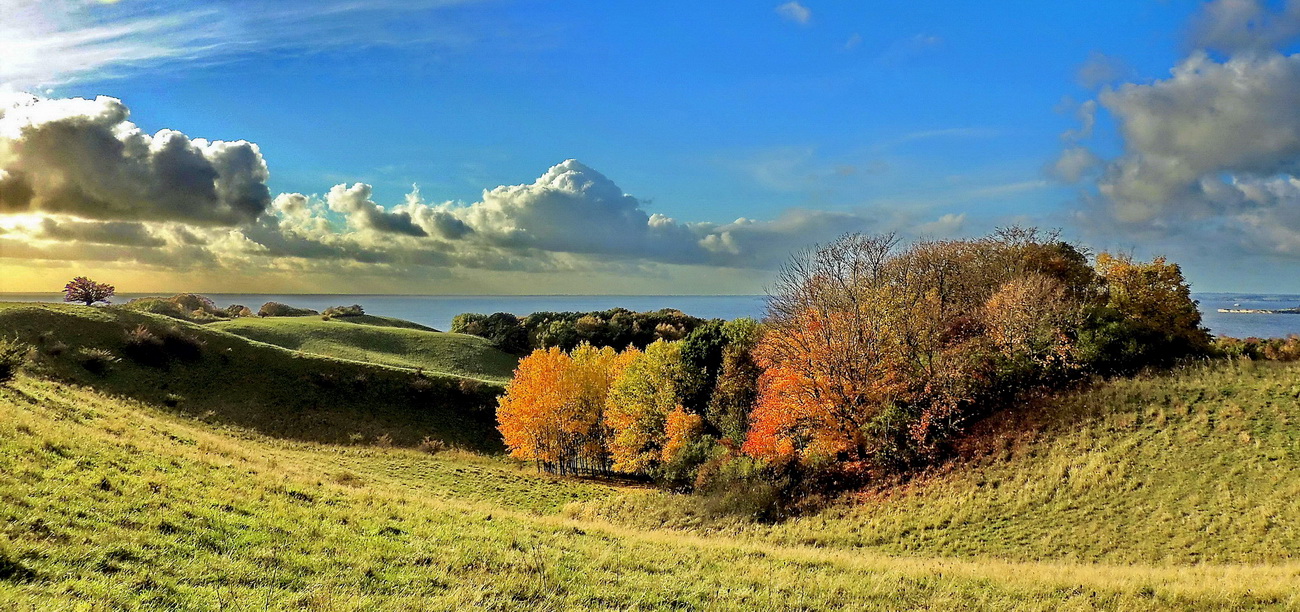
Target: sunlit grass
379	341
113	503
1202	465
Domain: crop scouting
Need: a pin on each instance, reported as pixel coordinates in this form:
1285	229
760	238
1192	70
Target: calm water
437	311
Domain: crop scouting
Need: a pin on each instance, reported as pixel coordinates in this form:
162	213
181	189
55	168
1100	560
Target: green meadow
309	464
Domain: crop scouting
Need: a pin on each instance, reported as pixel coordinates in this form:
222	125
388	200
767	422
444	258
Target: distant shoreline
1260	310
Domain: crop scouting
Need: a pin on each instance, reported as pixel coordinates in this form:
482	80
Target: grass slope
380	340
233	380
108	503
1198	466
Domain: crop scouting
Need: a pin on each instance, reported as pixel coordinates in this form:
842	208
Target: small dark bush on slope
276	309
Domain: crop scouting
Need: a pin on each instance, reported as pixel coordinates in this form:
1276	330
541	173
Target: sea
437	310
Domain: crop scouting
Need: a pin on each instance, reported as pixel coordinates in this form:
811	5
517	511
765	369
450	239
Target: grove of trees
872	356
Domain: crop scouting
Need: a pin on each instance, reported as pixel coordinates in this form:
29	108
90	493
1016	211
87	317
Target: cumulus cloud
795	12
85	158
363	214
1210	119
80	182
1211	153
1074	163
1101	69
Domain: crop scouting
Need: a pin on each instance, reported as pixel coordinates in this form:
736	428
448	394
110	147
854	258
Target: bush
502	329
432	446
238	310
354	310
1271	349
737	485
144	347
13	354
276	309
96	360
159	349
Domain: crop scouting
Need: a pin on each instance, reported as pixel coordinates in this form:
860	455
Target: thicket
13	354
872	356
185	306
1269	349
617	328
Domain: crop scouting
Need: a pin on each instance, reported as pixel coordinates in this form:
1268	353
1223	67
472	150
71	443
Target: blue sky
942	119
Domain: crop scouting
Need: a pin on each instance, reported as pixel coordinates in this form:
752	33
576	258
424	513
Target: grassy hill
228	379
380	340
243	475
110	503
1198	466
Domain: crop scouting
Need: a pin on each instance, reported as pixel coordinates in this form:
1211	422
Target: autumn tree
638	406
1148	317
553	409
831	356
1031	317
86	291
876	353
530	413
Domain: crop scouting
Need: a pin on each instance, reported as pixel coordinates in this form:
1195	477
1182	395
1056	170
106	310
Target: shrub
144	347
354	310
160	349
238	310
737	485
96	360
86	291
276	309
432	446
13	354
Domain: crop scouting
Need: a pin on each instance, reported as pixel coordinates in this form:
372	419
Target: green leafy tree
638	406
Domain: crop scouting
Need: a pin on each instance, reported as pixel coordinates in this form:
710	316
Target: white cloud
795	12
1074	163
1101	69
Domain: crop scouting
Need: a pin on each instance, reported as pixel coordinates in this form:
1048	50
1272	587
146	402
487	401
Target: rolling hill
380	340
229	379
228	479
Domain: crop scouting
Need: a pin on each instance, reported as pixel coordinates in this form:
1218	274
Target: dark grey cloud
84	158
125	233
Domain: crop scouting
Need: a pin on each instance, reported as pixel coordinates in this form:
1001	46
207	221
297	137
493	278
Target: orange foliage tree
875	353
553	409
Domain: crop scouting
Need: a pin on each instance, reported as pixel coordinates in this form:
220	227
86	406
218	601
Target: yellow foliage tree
638	405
